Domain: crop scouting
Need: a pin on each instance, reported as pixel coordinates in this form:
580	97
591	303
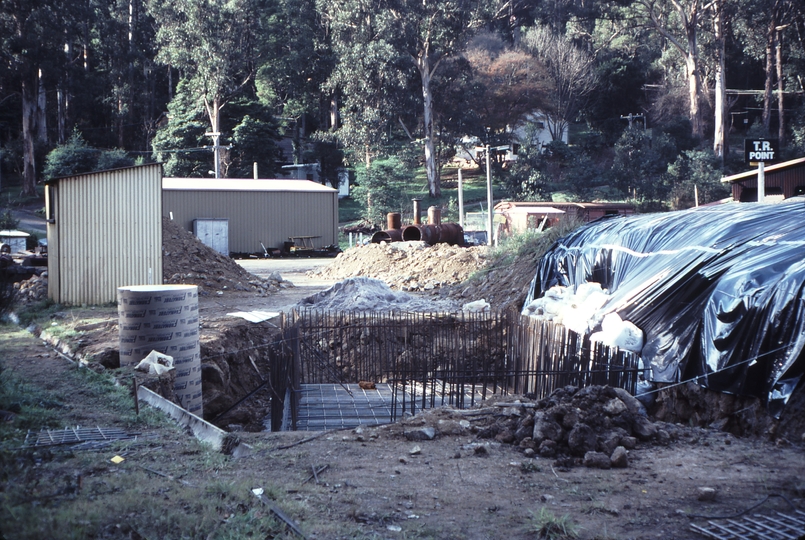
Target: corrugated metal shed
263	211
104	232
782	181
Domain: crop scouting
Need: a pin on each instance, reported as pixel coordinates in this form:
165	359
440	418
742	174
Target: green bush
73	157
114	159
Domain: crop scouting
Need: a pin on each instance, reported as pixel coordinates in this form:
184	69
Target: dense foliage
644	100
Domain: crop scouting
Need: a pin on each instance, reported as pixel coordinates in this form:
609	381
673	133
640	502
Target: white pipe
761	181
460	199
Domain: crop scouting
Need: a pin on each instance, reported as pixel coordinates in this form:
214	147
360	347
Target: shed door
213	233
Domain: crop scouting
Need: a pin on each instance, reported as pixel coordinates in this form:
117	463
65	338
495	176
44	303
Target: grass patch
32	408
100	501
549	527
37	312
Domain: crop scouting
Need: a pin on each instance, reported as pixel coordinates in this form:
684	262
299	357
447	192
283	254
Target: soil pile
369	294
186	260
594	426
408	266
504	286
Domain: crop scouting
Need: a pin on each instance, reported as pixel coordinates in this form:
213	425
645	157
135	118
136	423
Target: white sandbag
479	306
615	332
155	363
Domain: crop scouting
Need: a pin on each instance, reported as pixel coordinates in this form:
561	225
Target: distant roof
542	204
14	234
530	210
767	169
244	184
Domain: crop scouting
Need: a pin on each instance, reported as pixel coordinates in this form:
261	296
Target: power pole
216	149
632	117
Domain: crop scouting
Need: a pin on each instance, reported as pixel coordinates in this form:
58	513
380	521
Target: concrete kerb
219	439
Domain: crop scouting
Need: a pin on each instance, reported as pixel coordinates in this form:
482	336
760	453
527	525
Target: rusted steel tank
425	233
389	235
393	220
451	233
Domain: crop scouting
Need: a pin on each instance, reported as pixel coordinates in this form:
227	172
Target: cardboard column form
163	318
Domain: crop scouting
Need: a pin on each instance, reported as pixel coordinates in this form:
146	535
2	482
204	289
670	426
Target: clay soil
371	482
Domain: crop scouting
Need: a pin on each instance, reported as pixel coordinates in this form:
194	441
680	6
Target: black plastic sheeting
717	291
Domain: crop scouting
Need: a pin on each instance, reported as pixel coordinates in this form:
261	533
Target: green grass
547	526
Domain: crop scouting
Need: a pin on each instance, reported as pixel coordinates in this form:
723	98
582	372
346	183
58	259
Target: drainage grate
75	435
777	527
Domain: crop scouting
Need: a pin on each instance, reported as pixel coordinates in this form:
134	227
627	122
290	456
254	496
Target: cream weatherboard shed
256	213
104	231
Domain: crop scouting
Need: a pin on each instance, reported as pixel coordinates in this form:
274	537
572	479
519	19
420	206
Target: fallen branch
303	441
315	474
282	515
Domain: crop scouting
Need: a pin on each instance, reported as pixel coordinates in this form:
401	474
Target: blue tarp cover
718	291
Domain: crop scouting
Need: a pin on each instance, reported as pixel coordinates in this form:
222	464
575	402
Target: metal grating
75	435
336	406
757	527
340	406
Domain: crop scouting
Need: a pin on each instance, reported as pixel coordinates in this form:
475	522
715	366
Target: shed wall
104	232
270	217
790	181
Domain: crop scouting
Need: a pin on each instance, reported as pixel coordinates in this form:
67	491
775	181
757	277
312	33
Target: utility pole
632	117
489	222
216	149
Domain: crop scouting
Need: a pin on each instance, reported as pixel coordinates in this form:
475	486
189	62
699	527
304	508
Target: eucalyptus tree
678	21
297	62
378	44
34	35
217	48
571	76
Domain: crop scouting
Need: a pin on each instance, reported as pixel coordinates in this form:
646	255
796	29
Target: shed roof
14	234
56	180
244	184
530	210
771	168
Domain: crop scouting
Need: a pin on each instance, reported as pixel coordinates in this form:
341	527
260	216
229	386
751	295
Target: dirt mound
408	266
369	294
502	285
594	426
186	260
32	290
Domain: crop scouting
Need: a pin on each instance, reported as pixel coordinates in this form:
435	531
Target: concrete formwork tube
163	318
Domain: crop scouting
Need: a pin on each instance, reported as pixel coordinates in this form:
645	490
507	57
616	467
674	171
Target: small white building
15	240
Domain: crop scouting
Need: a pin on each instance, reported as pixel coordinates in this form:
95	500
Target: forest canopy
608	99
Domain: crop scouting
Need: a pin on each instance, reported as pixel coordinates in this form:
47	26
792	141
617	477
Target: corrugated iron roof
768	169
244	184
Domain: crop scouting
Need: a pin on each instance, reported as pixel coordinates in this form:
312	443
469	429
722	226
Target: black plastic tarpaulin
718	291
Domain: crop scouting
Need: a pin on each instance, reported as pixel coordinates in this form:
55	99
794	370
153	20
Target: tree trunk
780	89
720	135
767	88
41	106
29	105
694	87
423	63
